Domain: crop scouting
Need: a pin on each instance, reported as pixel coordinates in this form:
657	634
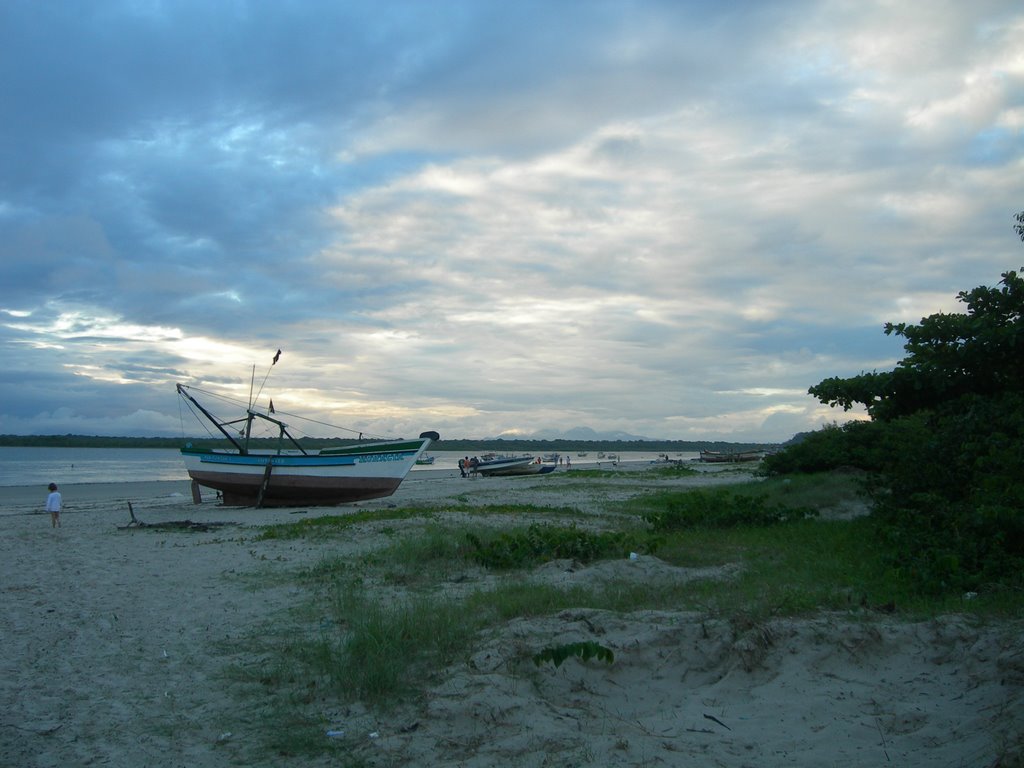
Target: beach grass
384	652
667	469
821	490
378	650
327	526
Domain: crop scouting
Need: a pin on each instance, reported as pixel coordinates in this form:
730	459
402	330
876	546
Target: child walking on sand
53	505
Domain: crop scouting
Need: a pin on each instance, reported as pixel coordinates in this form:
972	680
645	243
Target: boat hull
714	457
338	476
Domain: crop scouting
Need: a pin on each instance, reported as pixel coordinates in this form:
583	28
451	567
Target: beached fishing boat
293	475
719	457
501	466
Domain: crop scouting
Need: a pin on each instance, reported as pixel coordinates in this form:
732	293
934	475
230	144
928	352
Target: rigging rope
241	404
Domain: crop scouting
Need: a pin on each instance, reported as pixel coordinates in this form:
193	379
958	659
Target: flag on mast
276	357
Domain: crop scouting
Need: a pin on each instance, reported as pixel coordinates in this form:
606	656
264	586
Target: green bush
827	449
946	547
585	651
948	488
871	446
718	509
948	422
953	511
541	543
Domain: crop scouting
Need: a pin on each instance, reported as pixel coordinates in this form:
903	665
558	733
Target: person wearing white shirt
53	505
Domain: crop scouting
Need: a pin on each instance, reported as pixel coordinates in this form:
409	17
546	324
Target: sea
67	466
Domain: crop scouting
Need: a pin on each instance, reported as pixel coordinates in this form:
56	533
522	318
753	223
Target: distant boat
425	460
581	454
280	478
720	457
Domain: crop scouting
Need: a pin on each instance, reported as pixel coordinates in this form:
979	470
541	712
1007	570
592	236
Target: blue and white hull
336	476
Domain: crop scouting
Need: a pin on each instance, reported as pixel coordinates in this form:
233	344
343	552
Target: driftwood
714	719
170	525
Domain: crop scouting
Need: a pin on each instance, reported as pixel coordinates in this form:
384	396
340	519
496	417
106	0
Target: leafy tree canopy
980	352
945	444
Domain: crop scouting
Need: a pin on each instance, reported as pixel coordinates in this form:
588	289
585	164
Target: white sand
114	646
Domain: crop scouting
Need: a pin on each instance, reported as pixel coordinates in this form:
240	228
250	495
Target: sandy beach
115	645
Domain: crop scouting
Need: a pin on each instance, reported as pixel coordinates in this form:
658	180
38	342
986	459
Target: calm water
65	466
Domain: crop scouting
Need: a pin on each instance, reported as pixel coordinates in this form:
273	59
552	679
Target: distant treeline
461	446
575	446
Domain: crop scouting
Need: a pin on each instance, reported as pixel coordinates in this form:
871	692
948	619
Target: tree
949	356
946	440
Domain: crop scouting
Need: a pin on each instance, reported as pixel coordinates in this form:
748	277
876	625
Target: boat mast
248	421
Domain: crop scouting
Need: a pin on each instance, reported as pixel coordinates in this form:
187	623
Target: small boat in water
425	460
281	478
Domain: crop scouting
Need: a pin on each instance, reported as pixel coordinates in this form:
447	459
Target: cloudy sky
661	218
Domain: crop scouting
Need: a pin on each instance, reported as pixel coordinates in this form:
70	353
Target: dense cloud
667	219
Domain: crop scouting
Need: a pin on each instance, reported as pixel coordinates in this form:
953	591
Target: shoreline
25	499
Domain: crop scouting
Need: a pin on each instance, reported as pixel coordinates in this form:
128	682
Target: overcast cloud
663	218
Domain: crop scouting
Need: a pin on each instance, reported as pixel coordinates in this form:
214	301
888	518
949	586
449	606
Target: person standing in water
53	505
